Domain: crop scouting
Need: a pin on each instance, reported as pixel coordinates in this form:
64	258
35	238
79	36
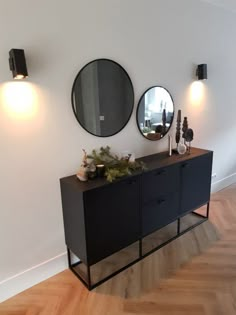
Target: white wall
158	42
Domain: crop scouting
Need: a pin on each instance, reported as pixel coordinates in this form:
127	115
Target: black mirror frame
159	86
133	96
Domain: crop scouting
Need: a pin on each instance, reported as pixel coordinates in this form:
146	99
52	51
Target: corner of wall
223	183
32	276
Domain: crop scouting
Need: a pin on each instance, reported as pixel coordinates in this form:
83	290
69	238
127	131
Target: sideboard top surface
152	162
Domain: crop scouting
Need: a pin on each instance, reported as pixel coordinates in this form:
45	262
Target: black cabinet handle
161	172
132	181
161	201
185	165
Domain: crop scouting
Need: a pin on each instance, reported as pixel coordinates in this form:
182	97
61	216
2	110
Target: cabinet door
112	218
196	182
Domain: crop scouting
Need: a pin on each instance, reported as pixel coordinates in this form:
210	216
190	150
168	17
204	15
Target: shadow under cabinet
110	226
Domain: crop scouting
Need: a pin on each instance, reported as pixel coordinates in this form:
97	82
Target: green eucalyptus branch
115	167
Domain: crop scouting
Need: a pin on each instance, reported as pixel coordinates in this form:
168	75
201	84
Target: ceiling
226	4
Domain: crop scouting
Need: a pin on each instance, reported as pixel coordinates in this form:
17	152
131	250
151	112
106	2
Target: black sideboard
102	218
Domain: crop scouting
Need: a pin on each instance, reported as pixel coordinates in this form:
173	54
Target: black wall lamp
201	72
17	63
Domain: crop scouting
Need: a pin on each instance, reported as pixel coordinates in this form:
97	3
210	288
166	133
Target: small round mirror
155	113
102	97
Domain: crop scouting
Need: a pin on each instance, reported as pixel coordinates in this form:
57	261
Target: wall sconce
17	63
201	72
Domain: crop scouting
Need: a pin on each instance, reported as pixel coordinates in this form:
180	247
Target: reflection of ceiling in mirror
157	99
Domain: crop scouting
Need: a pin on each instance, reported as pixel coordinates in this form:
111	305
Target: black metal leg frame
86	279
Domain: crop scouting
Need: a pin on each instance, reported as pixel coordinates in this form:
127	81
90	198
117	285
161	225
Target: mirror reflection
102	97
155	113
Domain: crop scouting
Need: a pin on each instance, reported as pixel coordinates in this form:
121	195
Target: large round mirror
102	97
155	113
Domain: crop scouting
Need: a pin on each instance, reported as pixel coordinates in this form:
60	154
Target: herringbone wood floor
194	275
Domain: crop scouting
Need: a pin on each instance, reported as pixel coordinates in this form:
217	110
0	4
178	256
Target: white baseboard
32	276
220	184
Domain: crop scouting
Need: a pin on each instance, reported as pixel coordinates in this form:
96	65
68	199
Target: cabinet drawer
159	212
161	181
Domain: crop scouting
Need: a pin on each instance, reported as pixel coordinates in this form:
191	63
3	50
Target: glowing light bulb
19	77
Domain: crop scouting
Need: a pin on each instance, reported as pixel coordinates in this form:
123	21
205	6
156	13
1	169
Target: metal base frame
91	286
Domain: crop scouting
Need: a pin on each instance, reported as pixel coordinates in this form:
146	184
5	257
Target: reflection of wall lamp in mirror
17	63
201	72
